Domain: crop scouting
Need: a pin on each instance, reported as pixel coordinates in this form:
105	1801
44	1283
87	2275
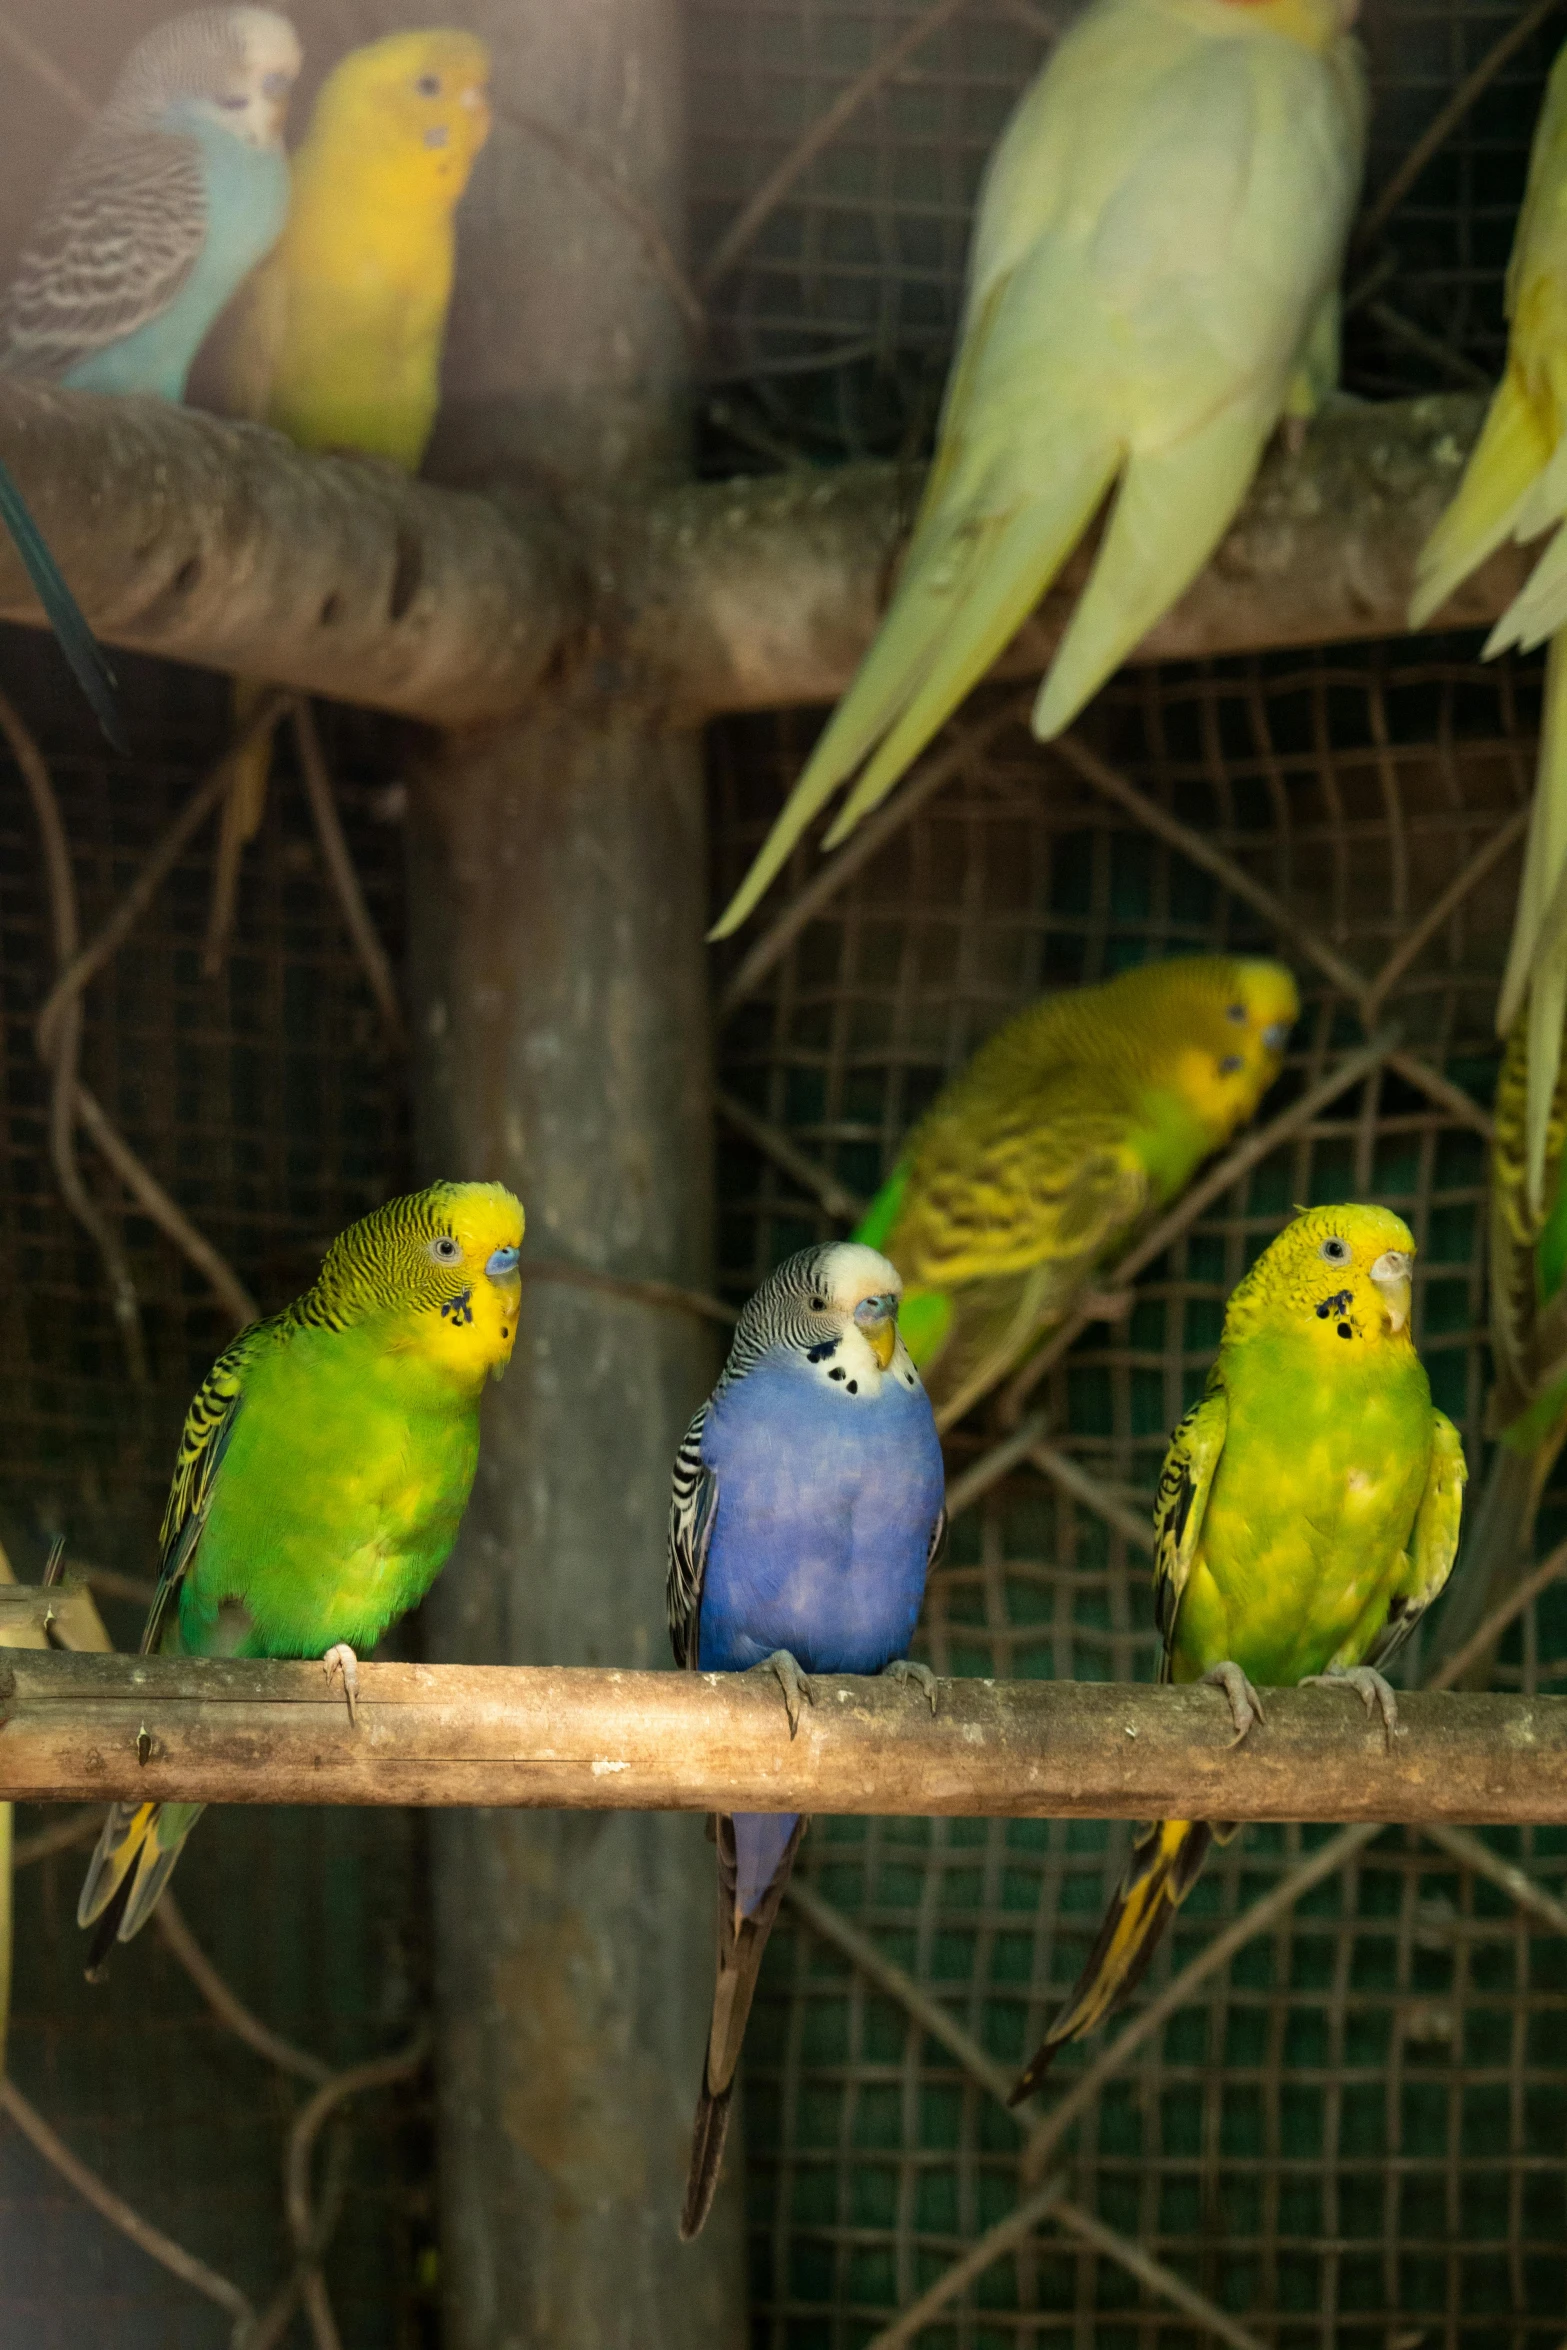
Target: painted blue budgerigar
808	1505
175	193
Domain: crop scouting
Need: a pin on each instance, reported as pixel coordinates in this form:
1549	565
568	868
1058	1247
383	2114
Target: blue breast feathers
826	1508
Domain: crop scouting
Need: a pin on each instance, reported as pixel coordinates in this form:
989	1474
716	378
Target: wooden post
558	878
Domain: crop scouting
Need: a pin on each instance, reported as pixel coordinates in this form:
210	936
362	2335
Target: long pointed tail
1161	1872
77	642
134	1860
740	1946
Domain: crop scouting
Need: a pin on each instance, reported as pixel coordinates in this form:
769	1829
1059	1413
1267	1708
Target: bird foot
1376	1694
341	1664
904	1668
795	1684
1245	1704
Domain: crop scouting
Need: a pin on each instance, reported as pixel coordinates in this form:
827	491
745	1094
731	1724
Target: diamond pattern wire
833	329
1355	2133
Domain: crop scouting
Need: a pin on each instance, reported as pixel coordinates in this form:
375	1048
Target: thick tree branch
219	543
74	1727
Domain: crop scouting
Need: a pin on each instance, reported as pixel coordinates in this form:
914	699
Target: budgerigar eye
234	105
1336	1251
428	85
1237	1013
1231	1065
445	1250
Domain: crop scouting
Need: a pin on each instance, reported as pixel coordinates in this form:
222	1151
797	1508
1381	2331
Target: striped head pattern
440	1266
837	1307
1341	1276
237	65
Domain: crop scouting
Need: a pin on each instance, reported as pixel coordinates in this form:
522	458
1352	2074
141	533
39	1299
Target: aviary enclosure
706	248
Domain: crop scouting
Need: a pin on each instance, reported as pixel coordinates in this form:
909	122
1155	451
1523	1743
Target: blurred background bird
323	1473
1515	487
1152	287
337	339
807	1507
1307	1516
1075	1121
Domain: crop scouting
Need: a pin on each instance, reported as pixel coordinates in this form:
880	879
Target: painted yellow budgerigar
337	338
1070	1127
1307	1516
1515	486
1153	284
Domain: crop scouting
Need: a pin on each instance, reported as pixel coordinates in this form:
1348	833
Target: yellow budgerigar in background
1153	284
1515	487
337	339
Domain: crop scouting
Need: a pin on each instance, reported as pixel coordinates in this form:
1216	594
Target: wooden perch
75	1728
222	544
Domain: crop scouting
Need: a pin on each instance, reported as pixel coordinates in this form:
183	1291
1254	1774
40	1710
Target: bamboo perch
222	544
74	1728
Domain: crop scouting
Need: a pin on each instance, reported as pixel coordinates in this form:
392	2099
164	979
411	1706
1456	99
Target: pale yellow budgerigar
1515	486
1153	284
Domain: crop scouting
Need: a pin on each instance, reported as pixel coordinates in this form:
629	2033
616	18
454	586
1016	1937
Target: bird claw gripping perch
796	1686
904	1668
1245	1704
341	1664
1375	1692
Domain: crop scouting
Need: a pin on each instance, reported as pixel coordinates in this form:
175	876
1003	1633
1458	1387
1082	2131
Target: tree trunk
558	893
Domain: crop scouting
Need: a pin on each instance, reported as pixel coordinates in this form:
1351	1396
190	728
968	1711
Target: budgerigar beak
1390	1275
878	1318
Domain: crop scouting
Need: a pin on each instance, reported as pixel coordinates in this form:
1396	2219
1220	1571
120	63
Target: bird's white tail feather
1174	507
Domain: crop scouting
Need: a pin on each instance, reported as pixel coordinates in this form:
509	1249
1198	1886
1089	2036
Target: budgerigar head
235	66
439	1268
837	1307
1315	24
1209	1028
1340	1276
413	109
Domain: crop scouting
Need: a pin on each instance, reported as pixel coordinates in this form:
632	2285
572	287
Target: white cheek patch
847	1365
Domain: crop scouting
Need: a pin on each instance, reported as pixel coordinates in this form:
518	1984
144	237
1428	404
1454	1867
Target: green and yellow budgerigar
1152	286
1307	1516
322	1476
1515	487
337	339
1073	1123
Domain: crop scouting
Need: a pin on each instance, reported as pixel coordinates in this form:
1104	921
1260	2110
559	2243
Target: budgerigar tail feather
1511	453
1161	1872
1175	505
739	1958
969	583
132	1863
1537	955
81	648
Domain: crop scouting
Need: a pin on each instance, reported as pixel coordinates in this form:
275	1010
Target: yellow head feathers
440	1266
1338	1276
409	113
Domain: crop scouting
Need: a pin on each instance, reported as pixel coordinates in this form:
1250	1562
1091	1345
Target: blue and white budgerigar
808	1505
173	195
1152	286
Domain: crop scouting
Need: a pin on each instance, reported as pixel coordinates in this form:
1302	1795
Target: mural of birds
323	1473
807	1508
1152	286
174	193
336	339
1515	487
1079	1118
1306	1518
1528	1402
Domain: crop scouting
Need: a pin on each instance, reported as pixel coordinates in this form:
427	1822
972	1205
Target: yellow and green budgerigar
336	339
1152	286
1307	1516
323	1472
1515	487
1527	1412
1076	1120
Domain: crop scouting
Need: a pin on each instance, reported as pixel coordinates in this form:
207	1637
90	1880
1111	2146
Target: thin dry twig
666	1296
1074	1479
1446	120
171	1219
373	957
1152	2273
119	2214
1442	1091
1000	1460
835	1197
1443	907
303	2226
1464	1846
229	2009
43	69
80	1827
640	218
744	230
1479	1641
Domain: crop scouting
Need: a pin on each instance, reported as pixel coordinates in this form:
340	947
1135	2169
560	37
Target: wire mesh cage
1352	2129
